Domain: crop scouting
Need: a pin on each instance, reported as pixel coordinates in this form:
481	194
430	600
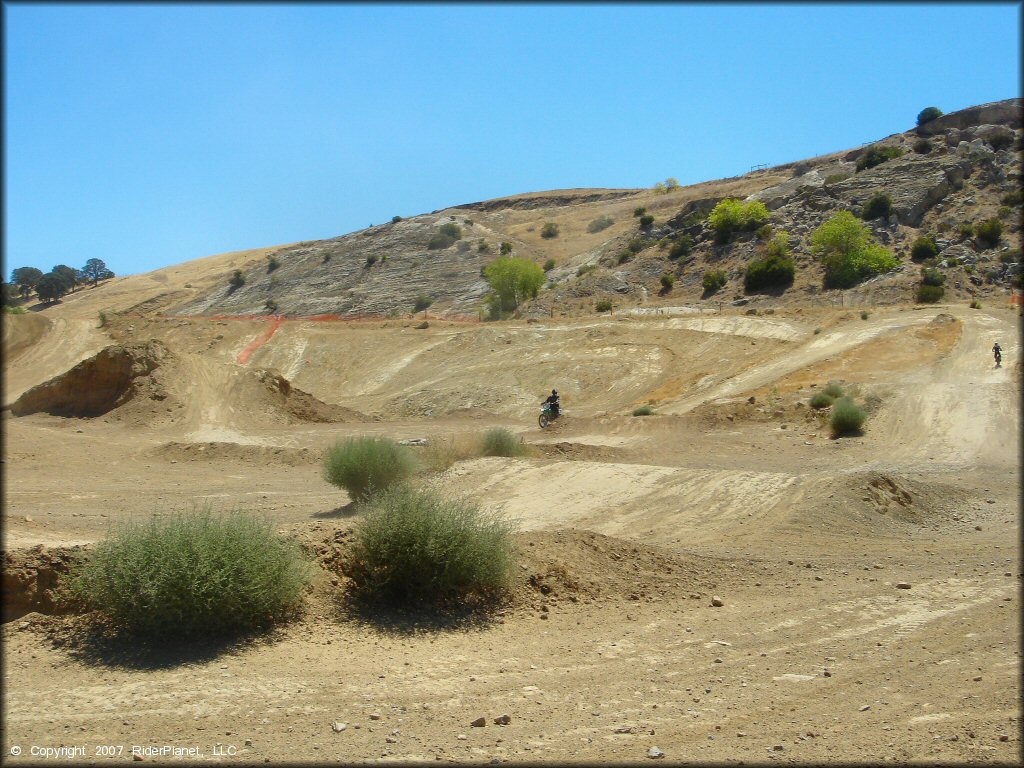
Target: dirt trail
64	343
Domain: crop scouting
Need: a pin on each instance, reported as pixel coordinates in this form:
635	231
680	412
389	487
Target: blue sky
148	135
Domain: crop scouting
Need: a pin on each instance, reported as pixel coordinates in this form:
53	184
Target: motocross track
630	525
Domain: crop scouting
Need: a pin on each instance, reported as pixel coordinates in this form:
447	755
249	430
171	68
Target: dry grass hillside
720	580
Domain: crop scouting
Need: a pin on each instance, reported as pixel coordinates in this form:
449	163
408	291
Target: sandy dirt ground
870	585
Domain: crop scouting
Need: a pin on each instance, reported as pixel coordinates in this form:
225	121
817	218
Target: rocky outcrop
1007	113
914	184
98	385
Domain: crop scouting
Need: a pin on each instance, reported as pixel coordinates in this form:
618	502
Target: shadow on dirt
93	642
409	622
342	512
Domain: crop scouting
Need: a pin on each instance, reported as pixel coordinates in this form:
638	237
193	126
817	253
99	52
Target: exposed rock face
1008	113
914	184
97	385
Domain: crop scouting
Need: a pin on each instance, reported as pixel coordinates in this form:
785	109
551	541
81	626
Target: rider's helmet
554	391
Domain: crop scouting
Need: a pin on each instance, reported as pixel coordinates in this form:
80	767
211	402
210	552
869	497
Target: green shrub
364	466
835	178
928	114
603	306
932	276
506	248
10	310
732	215
637	244
1012	198
192	574
421	303
549	230
1004	212
847	417
1010	257
415	546
601	222
877	206
513	280
549	265
876	155
848	252
775	269
643	410
821	400
395	219
637	212
923	248
237	280
440	241
646	220
452	230
371	260
668	280
966	231
501	442
988	232
102	316
623	257
713	280
929	294
834	390
975	304
272	263
483	247
581	271
681	246
270	305
764	232
922	146
864	315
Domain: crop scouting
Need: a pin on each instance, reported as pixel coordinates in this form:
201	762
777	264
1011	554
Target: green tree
513	279
848	251
928	114
50	287
66	275
26	278
732	215
94	270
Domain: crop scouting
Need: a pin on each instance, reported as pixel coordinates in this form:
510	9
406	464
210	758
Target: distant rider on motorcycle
998	352
554	403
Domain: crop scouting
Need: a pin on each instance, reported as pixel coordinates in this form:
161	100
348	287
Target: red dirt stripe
260	340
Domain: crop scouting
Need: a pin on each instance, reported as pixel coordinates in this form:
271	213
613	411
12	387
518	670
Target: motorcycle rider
554	403
997	352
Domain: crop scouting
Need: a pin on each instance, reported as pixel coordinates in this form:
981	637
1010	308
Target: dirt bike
546	416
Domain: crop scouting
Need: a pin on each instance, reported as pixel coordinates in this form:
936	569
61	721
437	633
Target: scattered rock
338	727
625	729
717	601
902	585
654	753
865	708
375	716
503	720
480	722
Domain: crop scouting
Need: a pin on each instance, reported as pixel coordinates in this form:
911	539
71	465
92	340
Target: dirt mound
580	565
31	579
582	452
21	332
302	406
238	453
108	380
